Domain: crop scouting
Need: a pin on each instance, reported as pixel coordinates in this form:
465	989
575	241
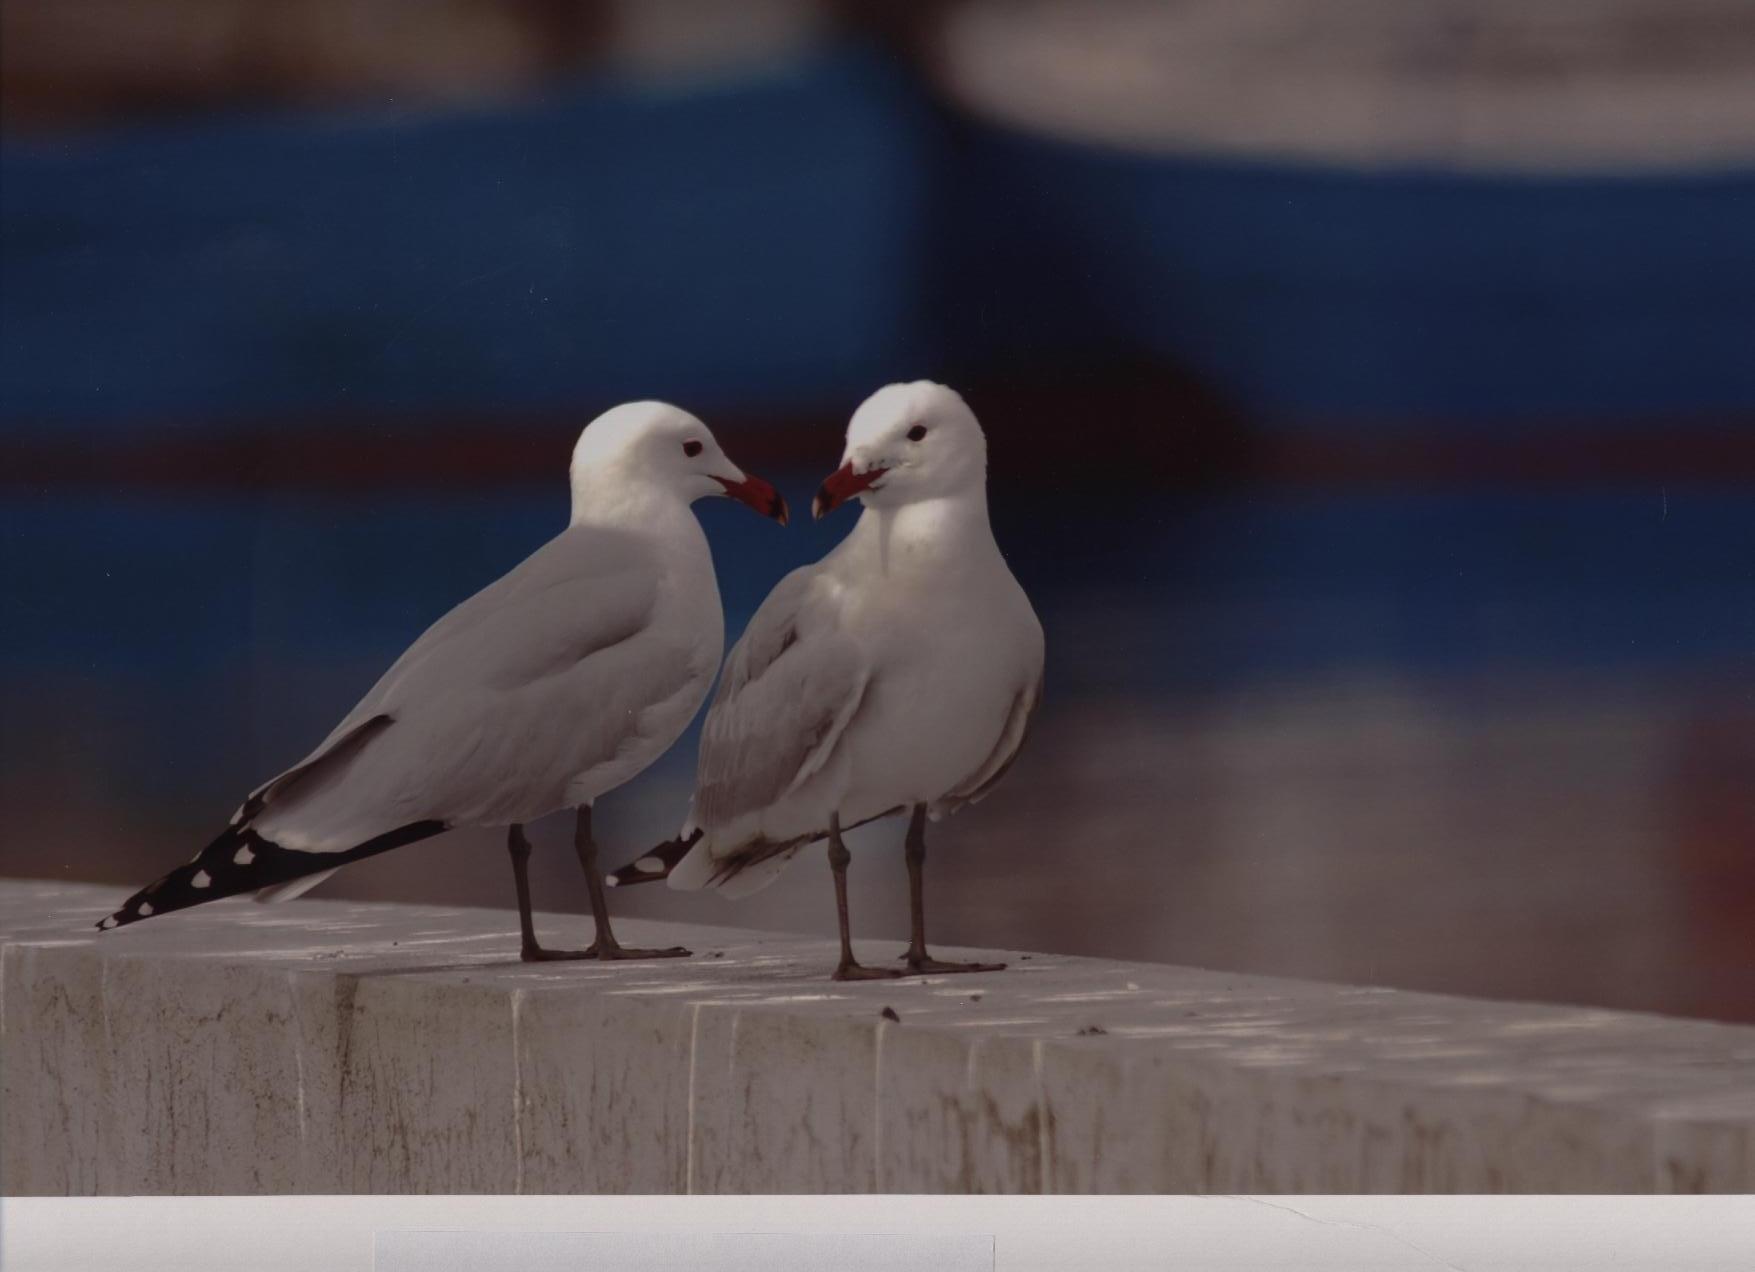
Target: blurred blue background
1371	390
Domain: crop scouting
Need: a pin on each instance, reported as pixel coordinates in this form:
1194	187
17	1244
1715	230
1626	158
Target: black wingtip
222	869
240	860
655	865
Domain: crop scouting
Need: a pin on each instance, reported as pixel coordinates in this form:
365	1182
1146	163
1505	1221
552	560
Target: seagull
898	674
551	686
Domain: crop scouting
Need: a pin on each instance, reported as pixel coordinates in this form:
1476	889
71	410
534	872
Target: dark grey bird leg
606	947
919	961
848	969
532	952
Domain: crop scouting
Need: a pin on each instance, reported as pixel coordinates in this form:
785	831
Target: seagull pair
898	674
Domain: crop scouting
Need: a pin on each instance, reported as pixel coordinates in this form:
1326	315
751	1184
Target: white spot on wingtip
244	856
610	881
107	924
201	879
146	909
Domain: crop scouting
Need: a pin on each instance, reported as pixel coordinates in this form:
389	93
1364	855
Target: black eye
691	449
917	432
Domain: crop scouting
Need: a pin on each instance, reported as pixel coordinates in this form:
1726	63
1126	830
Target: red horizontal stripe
1112	439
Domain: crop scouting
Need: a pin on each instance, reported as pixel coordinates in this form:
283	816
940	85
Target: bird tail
686	865
748	868
750	879
241	860
656	864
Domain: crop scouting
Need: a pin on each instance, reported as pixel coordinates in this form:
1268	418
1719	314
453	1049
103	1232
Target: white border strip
1032	1234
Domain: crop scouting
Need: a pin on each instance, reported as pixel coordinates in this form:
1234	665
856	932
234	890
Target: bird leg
606	947
919	961
848	969
532	952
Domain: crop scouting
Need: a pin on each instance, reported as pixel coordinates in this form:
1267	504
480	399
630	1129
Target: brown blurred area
1472	81
81	62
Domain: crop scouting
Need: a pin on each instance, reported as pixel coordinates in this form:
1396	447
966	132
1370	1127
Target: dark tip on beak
755	493
840	486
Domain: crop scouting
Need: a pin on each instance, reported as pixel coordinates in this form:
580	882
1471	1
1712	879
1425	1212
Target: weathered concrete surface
337	1047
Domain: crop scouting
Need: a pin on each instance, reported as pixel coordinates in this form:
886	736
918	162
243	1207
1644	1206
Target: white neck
927	535
611	501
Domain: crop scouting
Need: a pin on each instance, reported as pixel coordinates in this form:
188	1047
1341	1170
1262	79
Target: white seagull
551	686
899	673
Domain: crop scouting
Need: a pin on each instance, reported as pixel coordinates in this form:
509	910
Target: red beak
840	486
758	494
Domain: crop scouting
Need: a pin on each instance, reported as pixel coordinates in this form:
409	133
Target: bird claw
613	954
860	972
619	953
537	954
934	967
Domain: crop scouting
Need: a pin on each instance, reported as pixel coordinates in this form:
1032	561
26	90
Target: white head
638	450
906	443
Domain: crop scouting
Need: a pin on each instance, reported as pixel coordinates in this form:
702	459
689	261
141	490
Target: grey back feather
584	590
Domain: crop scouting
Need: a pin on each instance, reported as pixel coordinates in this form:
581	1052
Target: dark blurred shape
1325	299
753	239
1475	213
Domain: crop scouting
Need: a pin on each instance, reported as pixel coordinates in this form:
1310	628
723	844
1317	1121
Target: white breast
949	658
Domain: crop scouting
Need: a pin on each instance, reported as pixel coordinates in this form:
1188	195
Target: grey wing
790	687
476	692
1011	741
353	733
582	591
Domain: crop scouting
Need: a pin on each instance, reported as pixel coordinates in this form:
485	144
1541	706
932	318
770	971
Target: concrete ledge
334	1047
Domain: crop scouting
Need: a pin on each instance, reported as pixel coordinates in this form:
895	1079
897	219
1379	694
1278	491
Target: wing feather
513	671
1011	741
583	591
790	687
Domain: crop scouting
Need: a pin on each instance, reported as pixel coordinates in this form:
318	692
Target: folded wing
556	660
790	688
